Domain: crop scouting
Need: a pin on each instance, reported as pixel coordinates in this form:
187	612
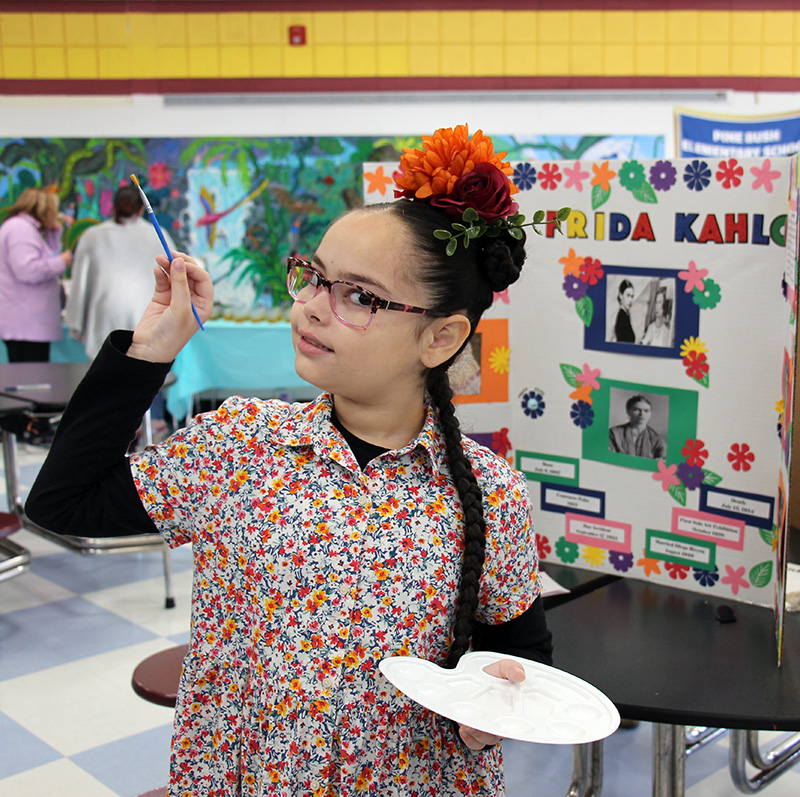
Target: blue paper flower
524	176
533	404
705	578
582	414
697	175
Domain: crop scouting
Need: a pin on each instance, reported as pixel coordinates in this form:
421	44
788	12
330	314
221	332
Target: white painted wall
520	113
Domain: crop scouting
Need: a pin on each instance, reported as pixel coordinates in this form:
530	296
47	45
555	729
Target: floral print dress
309	571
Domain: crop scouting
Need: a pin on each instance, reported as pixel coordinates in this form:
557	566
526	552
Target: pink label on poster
599	532
724	531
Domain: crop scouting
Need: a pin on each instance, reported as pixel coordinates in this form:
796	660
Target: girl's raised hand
168	322
509	670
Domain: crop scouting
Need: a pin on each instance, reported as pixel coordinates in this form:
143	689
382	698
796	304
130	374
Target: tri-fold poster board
641	372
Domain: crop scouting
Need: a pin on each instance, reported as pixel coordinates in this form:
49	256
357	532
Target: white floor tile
62	778
81	705
28	590
720	785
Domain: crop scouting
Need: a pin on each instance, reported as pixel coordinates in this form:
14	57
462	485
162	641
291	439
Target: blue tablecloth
234	356
65	350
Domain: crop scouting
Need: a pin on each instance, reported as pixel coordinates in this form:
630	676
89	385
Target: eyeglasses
351	304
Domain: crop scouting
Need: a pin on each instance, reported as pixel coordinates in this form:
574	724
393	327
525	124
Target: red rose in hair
485	188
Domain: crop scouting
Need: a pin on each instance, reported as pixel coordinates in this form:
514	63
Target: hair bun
502	260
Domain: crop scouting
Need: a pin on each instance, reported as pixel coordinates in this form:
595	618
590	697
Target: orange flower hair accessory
468	181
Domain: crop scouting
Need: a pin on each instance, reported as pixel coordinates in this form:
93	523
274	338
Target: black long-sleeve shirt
85	487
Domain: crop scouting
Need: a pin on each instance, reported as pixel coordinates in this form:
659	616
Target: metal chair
14	559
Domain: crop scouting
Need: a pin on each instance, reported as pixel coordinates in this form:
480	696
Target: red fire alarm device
297	35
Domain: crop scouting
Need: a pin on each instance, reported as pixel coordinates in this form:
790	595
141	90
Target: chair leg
169	596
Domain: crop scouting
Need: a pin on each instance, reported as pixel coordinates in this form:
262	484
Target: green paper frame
682	424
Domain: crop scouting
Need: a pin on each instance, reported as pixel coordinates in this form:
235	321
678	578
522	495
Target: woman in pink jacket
31	263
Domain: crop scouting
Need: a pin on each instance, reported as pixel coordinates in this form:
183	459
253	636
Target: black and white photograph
638	424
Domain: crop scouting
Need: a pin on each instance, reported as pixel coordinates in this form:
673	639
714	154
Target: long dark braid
463	282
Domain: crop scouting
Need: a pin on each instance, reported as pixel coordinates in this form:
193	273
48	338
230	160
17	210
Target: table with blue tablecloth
235	356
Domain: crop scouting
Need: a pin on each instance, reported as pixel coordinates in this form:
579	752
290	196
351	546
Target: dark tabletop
9	405
62	379
661	655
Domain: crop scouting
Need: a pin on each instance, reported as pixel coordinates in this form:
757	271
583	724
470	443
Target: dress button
327	682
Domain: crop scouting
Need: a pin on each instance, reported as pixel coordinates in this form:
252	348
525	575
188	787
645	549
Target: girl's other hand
168	322
509	670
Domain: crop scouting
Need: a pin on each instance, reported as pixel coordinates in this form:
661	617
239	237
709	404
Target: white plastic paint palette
549	707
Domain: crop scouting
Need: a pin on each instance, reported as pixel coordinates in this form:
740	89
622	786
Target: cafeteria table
47	387
668	656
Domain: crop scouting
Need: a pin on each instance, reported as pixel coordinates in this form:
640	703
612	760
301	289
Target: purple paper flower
691	476
662	175
575	287
621	562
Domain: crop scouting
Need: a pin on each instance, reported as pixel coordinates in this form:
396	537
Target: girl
659	330
330	535
31	266
623	330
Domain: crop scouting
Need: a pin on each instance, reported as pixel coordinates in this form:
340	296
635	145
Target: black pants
28	351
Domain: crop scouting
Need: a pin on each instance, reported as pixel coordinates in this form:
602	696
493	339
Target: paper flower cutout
574	287
677	571
693	277
594	556
542	546
582	414
695	453
582	393
740	456
602	176
572	263
502	296
735	579
500	444
533	404
549	176
377	181
649	565
524	176
709	297
764	176
705	578
662	175
666	475
621	562
566	551
499	359
691	475
692	344
589	376
730	173
697	175
631	175
575	177
591	270
696	365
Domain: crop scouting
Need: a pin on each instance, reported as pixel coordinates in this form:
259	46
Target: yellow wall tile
15	29
746	27
391	27
113	63
203	61
778	28
234	61
142	30
776	60
170	30
297	62
329	60
553	27
18	62
455	27
796	62
79	29
520	59
683	27
48	29
714	59
360	27
266	29
202	30
234	28
650	27
327	28
552	59
392	60
144	61
746	59
49	63
112	30
487	59
267	60
520	27
82	63
585	59
650	59
423	60
714	26
488	27
681	60
618	59
619	27
173	62
586	26
425	27
456	59
360	60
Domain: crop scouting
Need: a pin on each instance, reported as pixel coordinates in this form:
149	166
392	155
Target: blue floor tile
59	632
133	765
21	750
